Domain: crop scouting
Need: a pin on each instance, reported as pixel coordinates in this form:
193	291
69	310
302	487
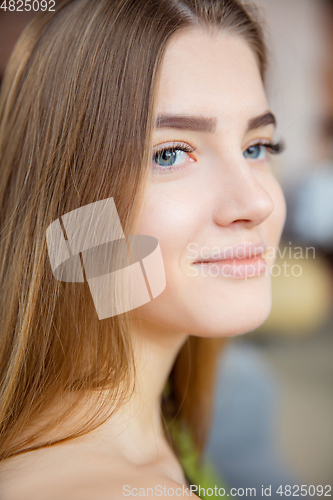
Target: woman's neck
135	430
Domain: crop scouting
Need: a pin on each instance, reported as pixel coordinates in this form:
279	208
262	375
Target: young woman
159	105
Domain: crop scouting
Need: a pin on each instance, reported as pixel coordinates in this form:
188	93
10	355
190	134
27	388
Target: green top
205	480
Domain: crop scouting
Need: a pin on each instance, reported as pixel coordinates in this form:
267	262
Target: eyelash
272	147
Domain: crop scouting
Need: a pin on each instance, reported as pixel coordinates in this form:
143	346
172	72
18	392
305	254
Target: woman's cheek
275	222
170	217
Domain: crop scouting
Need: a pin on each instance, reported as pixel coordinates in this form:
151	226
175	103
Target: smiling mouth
242	261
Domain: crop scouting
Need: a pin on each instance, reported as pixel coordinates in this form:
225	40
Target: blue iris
166	157
255	152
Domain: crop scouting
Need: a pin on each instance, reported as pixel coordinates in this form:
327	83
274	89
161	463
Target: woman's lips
237	268
242	261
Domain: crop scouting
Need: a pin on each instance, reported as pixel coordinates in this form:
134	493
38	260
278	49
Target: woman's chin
211	317
237	318
230	326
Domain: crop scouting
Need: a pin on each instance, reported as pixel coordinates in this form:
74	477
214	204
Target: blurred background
273	416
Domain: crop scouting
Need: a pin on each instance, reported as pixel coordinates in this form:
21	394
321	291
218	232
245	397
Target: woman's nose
242	195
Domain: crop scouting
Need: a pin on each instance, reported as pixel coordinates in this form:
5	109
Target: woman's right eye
169	157
172	158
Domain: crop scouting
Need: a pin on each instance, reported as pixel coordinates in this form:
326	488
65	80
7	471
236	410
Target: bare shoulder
35	477
130	486
153	486
113	487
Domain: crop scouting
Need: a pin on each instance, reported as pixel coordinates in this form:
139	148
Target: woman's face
212	201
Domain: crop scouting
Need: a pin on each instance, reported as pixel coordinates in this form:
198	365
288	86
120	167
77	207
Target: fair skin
217	197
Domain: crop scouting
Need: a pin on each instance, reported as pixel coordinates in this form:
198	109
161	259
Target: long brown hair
76	116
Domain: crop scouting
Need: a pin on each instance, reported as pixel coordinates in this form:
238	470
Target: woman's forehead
204	72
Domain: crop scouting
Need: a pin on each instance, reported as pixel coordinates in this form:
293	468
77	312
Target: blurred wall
294	34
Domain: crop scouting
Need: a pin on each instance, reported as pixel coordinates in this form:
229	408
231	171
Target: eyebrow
185	122
261	121
203	124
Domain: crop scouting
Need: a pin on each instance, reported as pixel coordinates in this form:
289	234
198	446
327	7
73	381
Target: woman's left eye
256	152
